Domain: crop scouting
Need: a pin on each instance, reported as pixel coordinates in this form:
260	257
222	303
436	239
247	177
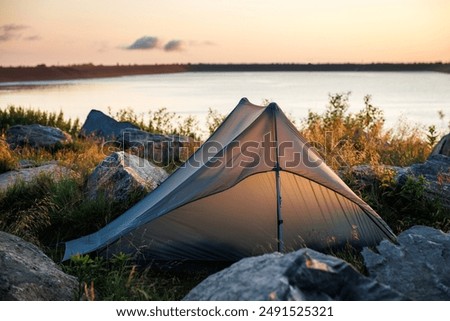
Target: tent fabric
223	203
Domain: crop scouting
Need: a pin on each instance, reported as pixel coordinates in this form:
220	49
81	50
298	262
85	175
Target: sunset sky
232	31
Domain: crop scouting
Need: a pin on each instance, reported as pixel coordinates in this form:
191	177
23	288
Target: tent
255	186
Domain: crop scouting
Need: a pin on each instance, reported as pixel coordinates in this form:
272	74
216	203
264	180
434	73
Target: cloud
11	31
152	42
202	43
174	45
144	43
33	38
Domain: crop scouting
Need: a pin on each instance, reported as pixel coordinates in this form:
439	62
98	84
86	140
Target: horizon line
437	62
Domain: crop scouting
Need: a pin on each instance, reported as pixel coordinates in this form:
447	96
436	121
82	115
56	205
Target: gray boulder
436	171
27	274
442	147
367	175
418	267
36	136
160	149
27	174
121	174
301	275
100	125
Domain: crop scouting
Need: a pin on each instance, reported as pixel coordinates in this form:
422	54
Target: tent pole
280	243
279	217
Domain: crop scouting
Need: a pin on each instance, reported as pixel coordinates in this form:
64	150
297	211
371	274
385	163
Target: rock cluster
435	171
417	268
303	275
161	149
157	148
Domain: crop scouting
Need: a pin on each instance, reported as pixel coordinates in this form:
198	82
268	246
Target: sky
56	32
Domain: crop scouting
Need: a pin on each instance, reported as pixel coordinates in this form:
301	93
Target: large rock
160	149
100	125
301	275
29	173
418	267
367	175
436	171
443	147
121	174
36	136
27	274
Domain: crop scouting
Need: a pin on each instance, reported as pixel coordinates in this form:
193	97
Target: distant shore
43	72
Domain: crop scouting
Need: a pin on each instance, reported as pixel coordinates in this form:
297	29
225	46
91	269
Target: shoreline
86	71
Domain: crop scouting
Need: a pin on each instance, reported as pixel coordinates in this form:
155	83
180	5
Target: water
416	96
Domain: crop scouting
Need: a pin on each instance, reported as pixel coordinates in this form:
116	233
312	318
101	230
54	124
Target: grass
8	160
49	210
352	256
13	115
119	278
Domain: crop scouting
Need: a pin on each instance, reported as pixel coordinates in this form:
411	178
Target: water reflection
418	95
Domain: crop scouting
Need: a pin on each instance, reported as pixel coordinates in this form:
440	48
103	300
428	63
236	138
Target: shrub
213	120
344	139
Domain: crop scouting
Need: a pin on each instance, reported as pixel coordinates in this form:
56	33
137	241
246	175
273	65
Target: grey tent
255	186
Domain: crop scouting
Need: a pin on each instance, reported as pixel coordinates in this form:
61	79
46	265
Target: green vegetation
48	211
120	279
161	121
8	160
13	115
344	139
403	206
353	256
165	122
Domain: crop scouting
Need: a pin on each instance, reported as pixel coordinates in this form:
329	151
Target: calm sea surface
416	96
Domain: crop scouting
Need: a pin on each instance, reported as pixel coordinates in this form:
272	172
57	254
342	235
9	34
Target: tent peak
244	100
273	106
